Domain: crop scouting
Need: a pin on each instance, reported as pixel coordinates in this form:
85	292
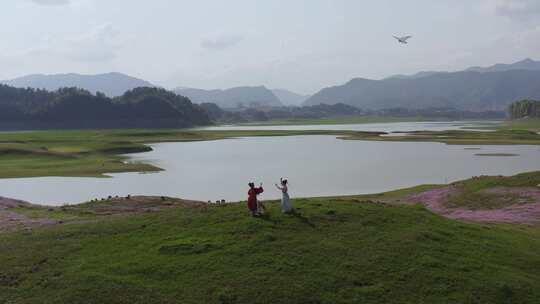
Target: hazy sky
302	45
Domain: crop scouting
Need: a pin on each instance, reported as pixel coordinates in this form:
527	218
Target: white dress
285	201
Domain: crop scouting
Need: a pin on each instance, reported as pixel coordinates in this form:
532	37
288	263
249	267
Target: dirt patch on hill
12	221
131	205
19	215
8	203
524	208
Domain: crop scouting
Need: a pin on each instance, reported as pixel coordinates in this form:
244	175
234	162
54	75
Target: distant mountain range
116	84
526	64
289	98
477	89
474	89
111	84
233	97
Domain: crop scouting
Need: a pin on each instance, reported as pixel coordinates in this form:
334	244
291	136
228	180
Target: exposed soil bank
524	209
12	221
19	215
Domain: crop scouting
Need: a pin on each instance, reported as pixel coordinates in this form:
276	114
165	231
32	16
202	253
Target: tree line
524	108
337	110
150	107
261	114
69	108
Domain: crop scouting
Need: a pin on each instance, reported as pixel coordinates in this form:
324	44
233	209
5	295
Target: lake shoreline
75	158
96	153
521	187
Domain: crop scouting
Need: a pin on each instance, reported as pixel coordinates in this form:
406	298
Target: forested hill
73	108
524	109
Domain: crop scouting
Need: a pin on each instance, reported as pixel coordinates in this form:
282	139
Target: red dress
252	198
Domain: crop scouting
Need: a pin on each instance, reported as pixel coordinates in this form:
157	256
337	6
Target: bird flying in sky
403	39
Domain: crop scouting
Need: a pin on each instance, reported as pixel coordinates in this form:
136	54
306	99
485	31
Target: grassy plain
531	124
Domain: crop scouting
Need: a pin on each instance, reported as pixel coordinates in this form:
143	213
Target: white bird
403	39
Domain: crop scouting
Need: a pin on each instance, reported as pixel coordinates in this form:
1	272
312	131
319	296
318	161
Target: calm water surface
315	166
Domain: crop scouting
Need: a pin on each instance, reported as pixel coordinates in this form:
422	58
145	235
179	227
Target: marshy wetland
216	163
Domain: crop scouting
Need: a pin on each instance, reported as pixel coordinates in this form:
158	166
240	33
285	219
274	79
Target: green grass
49	213
531	124
460	137
92	165
334	250
390	197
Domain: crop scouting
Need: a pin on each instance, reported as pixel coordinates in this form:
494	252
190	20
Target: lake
315	166
374	127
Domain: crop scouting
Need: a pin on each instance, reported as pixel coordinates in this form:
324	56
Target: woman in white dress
286	206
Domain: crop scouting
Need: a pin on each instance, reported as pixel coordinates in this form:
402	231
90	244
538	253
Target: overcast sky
302	45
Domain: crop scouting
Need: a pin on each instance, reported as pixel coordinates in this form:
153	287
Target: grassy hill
531	124
366	249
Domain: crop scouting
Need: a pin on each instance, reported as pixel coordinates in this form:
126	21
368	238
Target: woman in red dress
252	198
